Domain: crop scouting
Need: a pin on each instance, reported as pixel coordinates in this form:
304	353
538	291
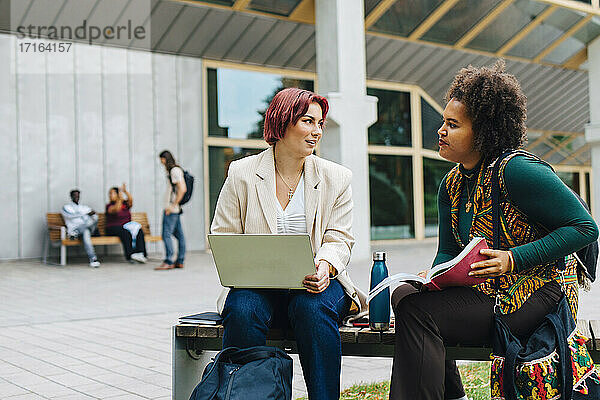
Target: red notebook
451	273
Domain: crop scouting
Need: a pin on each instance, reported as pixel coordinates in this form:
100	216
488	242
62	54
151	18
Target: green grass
475	377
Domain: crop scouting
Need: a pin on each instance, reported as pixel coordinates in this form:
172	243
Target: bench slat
583	326
348	334
366	335
56	220
388	337
595	335
354	336
187	330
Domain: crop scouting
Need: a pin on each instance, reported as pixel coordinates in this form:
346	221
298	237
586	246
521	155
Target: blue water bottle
379	307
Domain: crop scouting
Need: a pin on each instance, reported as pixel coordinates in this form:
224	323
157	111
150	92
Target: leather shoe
178	265
164	266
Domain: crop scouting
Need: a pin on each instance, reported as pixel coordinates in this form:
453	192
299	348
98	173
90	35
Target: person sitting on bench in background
81	222
118	223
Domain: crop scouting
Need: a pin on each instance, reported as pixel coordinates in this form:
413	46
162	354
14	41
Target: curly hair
496	106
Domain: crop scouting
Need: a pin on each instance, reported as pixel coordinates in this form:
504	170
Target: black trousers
125	236
427	321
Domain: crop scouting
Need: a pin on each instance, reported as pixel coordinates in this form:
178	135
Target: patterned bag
542	366
553	363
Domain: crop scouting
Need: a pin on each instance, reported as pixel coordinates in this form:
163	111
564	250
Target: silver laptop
262	261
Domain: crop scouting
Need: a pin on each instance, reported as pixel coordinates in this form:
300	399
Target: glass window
280	7
221	2
405	15
508	24
564	51
370	5
588	196
237	100
459	20
393	118
571	179
391	193
544	34
219	159
589	32
431	120
433	173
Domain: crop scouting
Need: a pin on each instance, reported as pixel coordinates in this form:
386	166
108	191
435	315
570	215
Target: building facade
99	115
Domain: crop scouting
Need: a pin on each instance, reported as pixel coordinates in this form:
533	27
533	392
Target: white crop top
293	218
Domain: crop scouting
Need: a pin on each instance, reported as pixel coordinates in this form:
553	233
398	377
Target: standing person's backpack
189	183
260	372
588	256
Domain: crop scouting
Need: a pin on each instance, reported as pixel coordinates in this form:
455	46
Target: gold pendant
468	206
290	194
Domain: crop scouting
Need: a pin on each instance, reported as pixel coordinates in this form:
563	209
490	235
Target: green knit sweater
537	191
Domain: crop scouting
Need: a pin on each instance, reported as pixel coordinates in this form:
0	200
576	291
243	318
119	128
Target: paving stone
8	389
71	379
100	390
51	389
27	396
112	326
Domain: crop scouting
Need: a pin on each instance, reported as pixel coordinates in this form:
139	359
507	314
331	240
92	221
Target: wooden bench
57	234
194	345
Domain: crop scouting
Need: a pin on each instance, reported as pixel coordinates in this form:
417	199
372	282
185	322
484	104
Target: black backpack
189	183
587	257
260	372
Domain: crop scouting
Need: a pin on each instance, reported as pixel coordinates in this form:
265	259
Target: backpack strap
508	374
213	368
496	213
564	353
253	354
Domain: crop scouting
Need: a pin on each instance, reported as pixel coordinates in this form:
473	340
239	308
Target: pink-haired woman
287	189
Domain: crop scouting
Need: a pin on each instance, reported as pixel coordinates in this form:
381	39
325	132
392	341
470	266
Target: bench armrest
63	230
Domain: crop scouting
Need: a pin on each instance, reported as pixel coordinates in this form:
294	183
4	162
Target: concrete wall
96	118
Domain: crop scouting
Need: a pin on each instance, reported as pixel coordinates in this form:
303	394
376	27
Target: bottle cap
379	256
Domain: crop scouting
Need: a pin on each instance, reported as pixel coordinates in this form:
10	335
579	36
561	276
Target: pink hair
286	108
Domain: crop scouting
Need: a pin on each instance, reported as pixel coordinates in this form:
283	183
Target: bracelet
512	262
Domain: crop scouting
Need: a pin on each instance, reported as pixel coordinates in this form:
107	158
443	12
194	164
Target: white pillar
592	130
341	77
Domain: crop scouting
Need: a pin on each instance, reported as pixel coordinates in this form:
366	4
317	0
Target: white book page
403	276
390	280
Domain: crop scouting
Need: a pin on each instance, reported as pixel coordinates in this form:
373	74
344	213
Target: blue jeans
84	231
172	227
315	319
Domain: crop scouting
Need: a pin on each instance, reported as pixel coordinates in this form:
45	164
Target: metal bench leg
186	370
63	255
46	249
63	248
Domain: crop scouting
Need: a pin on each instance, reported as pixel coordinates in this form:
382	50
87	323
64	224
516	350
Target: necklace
290	191
469	195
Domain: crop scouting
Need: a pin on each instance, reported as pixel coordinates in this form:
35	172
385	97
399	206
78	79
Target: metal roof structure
415	42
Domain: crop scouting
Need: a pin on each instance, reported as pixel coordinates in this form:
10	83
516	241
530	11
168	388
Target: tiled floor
80	333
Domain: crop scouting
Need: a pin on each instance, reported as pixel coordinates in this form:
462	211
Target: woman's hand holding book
500	262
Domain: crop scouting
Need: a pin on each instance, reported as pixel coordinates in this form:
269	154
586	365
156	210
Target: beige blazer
247	204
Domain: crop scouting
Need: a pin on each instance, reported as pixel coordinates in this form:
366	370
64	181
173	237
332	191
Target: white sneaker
139	257
94	264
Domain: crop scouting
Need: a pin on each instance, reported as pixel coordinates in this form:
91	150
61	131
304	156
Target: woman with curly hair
542	224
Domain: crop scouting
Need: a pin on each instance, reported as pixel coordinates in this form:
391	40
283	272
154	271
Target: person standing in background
176	189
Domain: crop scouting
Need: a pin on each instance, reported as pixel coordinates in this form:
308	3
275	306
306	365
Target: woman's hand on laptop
319	281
